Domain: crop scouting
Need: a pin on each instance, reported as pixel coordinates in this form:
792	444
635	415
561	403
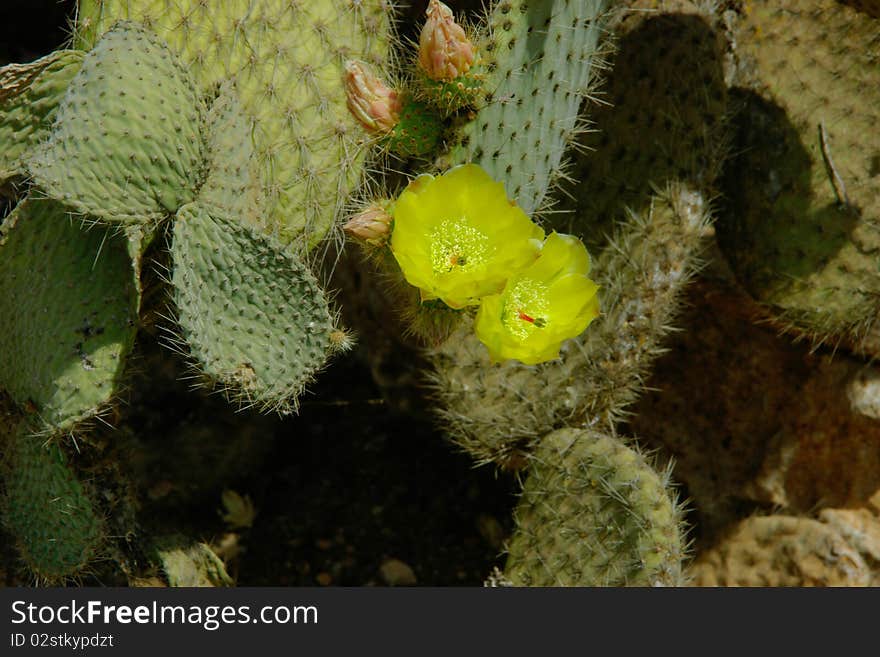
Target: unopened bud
371	225
445	52
375	105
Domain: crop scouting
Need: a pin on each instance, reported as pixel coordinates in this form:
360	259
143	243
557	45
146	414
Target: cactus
253	316
29	98
802	226
48	509
593	512
68	314
497	412
541	61
258	161
125	151
783	551
286	60
126	143
505	414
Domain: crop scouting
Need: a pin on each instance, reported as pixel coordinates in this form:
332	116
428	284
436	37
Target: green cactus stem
68	313
593	512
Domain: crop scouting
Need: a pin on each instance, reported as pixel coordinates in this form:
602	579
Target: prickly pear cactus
29	98
498	412
594	512
783	551
802	224
286	59
126	154
47	509
541	60
126	143
234	287
68	313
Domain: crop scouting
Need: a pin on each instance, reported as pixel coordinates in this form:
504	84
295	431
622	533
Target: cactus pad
231	185
252	316
29	98
68	313
541	59
497	412
802	225
47	510
593	512
126	142
286	59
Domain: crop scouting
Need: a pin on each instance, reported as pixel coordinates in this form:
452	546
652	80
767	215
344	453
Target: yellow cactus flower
457	237
542	306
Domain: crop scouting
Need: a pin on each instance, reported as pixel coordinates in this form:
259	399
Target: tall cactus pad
287	61
29	98
47	510
542	58
68	313
802	226
252	316
126	142
497	412
232	184
594	512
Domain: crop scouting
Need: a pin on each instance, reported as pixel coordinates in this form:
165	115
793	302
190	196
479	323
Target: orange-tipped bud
371	225
375	105
445	52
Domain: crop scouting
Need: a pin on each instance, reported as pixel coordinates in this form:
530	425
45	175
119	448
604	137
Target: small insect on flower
542	306
457	237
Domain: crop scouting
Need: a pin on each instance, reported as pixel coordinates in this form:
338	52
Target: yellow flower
542	306
458	238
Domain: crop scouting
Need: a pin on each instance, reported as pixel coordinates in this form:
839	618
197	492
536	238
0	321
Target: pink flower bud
445	52
372	224
375	105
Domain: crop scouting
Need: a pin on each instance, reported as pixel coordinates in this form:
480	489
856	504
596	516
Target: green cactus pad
68	313
252	316
541	59
29	98
286	58
126	142
232	184
47	511
801	222
593	512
